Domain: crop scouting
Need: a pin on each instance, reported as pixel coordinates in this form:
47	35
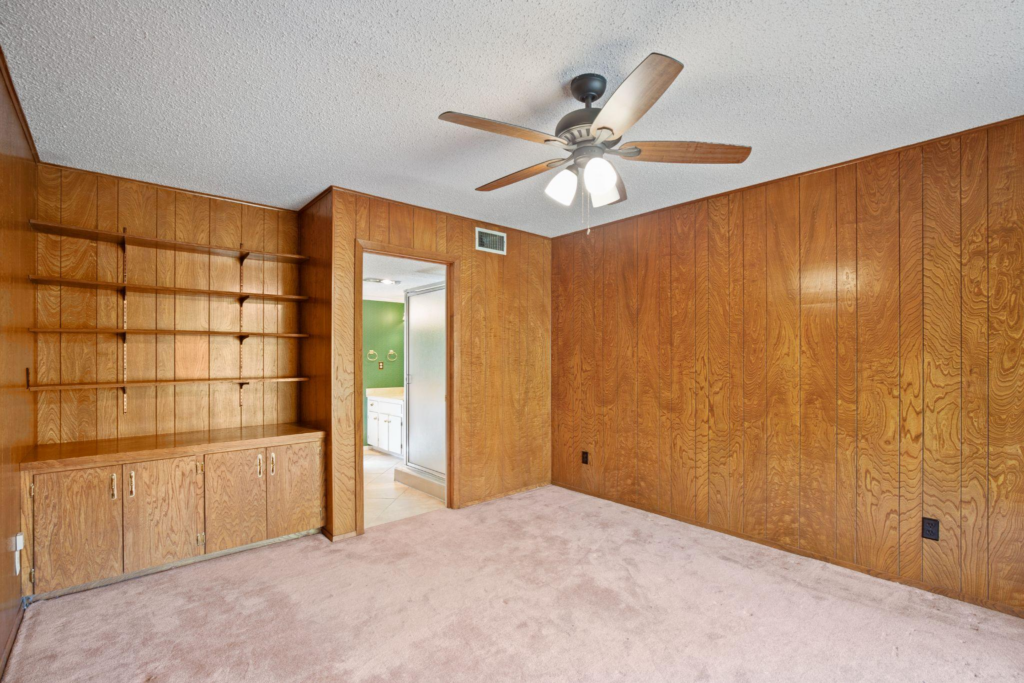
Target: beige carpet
547	585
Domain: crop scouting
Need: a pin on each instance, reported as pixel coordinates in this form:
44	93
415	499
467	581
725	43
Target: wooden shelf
163	382
78	454
121	287
154	243
120	331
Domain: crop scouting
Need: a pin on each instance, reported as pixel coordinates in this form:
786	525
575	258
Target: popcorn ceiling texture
273	101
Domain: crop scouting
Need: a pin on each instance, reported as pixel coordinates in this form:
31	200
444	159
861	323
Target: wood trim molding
9	83
451	295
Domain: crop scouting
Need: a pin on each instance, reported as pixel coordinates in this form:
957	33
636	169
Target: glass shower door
426	379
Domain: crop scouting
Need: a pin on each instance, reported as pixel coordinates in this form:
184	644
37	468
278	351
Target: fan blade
686	152
637	94
500	128
525	173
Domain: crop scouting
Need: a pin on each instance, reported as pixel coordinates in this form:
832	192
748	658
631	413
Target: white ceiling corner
273	101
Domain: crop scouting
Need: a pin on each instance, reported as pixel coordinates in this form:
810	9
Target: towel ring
392	353
372	355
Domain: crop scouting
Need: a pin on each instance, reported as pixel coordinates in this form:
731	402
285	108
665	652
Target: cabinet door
372	427
396	436
160	500
77	527
295	489
236	499
384	433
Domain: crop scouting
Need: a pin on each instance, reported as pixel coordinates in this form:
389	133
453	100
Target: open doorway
404	387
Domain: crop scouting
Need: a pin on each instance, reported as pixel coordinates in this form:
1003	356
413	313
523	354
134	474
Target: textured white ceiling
407	274
273	101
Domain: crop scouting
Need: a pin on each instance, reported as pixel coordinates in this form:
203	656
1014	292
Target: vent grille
490	240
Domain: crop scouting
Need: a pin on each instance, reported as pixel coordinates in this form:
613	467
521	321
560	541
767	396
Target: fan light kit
592	133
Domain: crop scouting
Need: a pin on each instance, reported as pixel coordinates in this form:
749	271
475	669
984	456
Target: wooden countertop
81	454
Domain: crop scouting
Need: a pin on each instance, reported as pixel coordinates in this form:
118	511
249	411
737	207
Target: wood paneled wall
817	362
17	429
503	349
89	200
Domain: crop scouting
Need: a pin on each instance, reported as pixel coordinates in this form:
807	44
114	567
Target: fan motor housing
574	127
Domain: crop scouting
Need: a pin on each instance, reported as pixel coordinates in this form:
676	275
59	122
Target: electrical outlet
586	458
930	529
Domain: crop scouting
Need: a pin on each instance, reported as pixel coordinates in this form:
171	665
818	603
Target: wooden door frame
451	264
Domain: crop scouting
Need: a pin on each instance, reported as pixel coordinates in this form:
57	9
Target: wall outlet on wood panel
930	529
586	458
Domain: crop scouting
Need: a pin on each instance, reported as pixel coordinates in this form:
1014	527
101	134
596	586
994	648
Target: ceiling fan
592	133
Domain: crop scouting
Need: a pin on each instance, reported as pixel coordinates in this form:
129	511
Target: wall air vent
490	240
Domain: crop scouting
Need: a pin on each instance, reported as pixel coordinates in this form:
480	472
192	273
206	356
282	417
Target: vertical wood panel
225	315
846	363
683	422
878	367
79	194
974	369
911	557
755	503
818	363
48	306
941	380
620	467
648	355
725	463
192	312
562	283
1006	369
400	225
783	349
591	333
108	310
702	369
166	207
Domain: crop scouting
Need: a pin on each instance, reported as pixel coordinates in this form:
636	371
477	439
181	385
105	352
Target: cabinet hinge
201	539
200	468
32	576
32	491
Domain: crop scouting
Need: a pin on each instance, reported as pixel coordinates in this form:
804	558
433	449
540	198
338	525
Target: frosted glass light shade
599	176
562	187
605	198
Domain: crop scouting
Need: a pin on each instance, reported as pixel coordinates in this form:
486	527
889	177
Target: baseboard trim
507	493
913	583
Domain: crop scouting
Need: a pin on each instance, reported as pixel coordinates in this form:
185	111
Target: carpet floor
547	585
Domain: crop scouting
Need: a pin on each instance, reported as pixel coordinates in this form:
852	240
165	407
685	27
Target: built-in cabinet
78	527
91	524
162	520
384	430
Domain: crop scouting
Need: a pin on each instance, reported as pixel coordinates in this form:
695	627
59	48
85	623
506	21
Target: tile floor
385	499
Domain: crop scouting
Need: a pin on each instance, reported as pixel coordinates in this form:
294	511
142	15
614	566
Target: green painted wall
383	330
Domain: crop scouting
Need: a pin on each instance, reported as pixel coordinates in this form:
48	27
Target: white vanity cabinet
384	411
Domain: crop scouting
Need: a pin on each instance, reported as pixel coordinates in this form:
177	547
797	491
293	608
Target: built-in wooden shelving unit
154	243
122	287
124	240
162	382
123	331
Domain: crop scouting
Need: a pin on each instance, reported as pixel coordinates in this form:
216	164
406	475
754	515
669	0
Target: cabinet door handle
113	487
273	463
259	465
131	484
